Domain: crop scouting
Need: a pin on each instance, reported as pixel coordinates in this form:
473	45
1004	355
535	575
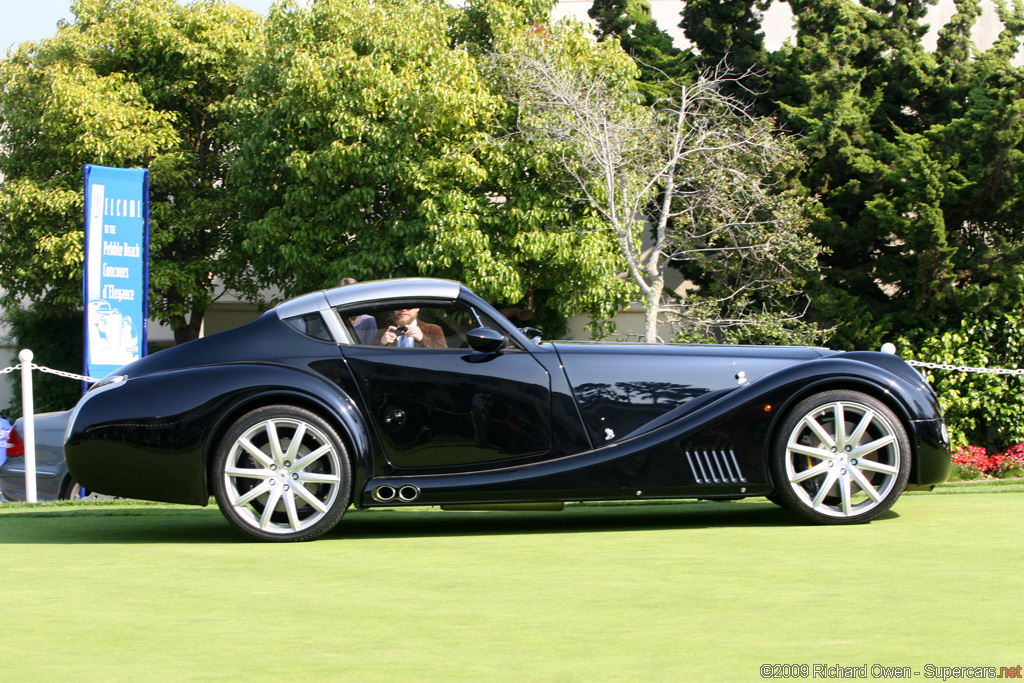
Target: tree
134	83
856	87
729	31
982	144
917	159
697	168
370	144
57	341
653	49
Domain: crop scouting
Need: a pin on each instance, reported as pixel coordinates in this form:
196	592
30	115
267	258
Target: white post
28	425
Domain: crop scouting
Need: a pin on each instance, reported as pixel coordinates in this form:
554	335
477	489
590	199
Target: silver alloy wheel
844	458
283	475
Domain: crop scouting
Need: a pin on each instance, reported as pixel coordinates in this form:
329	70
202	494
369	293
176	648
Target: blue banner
116	267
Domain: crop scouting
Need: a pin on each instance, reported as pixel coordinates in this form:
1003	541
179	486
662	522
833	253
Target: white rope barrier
889	347
26	366
42	368
965	368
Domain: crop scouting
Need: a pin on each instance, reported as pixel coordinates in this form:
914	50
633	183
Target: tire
847	478
71	490
281	473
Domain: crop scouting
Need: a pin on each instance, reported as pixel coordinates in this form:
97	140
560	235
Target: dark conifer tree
652	48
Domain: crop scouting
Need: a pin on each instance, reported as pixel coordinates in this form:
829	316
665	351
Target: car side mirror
533	333
486	340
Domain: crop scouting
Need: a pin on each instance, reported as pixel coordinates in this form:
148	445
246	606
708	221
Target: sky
22	20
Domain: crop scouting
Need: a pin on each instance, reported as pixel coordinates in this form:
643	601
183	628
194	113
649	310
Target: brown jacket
433	337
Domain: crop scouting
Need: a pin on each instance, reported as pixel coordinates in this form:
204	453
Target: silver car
53	481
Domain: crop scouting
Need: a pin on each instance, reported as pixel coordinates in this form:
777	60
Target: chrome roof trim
302	305
400	288
376	291
314	302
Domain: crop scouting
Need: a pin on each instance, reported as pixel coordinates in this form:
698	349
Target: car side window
441	325
311	325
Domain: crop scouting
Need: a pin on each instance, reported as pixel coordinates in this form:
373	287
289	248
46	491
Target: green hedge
984	410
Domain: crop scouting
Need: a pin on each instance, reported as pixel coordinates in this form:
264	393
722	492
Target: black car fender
797	382
765	401
182	414
883	376
295	386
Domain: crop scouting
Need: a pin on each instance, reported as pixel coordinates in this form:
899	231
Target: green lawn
633	592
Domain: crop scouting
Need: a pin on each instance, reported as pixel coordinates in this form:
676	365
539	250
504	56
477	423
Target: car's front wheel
840	457
281	473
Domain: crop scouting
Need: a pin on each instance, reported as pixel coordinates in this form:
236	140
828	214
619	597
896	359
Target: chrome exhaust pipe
383	494
408	493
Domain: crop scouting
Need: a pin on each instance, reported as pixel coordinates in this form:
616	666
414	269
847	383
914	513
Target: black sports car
417	392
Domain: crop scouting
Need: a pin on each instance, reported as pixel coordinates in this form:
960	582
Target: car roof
370	292
401	288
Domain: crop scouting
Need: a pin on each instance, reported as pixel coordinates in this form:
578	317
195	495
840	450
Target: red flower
975	460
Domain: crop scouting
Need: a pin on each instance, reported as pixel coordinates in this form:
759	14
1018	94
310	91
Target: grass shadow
205	525
395	523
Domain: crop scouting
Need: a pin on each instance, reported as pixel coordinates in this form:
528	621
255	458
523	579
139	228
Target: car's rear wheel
71	490
281	473
840	457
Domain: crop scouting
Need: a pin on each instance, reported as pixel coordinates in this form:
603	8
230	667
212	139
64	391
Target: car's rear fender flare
311	391
153	435
352	435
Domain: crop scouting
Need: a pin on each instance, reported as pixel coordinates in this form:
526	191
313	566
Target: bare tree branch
691	174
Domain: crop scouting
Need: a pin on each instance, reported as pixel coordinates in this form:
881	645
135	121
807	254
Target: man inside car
408	332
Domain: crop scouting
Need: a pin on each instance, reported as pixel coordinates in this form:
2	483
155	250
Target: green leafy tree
982	143
729	32
856	86
57	341
915	157
371	143
129	83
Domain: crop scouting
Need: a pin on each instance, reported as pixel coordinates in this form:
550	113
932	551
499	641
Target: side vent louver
715	467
